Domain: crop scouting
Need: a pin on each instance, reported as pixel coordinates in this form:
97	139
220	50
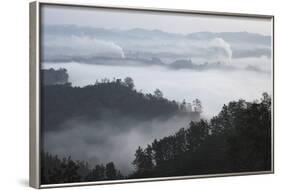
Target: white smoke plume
221	48
80	47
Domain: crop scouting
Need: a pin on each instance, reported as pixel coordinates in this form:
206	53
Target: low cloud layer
197	55
109	139
81	44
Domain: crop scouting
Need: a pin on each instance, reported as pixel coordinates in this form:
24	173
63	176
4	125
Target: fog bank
213	87
108	140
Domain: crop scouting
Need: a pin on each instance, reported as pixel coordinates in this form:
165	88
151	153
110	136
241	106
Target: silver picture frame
34	98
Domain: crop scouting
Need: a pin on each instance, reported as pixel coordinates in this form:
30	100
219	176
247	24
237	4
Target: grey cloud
100	142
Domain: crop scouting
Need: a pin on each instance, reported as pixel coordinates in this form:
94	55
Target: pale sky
169	22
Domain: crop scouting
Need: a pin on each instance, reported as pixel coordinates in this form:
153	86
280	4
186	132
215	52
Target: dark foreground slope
237	140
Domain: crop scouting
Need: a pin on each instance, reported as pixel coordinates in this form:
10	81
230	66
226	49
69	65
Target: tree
197	106
105	80
181	145
54	77
183	106
99	172
196	134
118	81
143	159
129	82
266	100
110	171
70	171
158	94
220	123
66	172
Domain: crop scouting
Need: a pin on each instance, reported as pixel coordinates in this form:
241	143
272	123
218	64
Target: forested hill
108	99
238	139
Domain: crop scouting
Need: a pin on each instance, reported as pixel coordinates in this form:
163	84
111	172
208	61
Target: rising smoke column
79	47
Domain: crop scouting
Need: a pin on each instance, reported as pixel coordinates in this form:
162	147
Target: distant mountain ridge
155	33
138	46
233	37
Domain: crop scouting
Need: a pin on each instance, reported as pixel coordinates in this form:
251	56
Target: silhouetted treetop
56	170
52	76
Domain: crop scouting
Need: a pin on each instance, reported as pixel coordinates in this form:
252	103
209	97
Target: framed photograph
131	94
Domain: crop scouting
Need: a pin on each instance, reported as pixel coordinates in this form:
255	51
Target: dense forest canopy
238	139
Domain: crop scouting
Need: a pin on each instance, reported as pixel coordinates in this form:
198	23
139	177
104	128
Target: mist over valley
134	103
